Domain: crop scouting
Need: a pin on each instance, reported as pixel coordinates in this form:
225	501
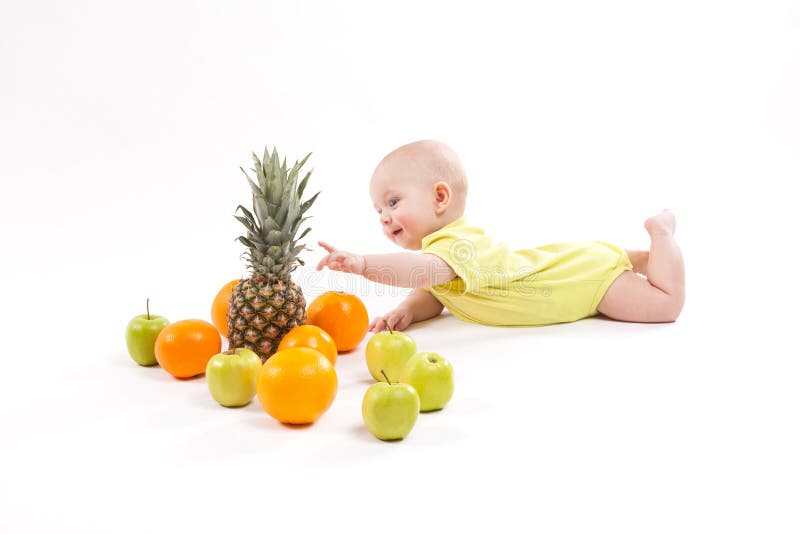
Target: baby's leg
660	297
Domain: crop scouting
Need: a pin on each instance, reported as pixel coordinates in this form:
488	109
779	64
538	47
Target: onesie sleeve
461	253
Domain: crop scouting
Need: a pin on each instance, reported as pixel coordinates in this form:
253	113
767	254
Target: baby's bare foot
661	224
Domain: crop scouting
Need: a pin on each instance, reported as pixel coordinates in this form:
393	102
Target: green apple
389	351
141	334
390	410
432	377
231	376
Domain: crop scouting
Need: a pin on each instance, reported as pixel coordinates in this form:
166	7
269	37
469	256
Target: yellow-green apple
141	334
432	377
231	376
390	410
389	351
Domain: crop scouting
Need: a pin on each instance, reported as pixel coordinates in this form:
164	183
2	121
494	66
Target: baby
420	191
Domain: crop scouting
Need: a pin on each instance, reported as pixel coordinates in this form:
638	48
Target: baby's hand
398	319
339	260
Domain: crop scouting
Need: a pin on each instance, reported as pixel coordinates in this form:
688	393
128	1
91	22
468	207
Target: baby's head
418	189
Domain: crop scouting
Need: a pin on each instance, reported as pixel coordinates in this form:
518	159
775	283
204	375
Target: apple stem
148	308
389	328
386	377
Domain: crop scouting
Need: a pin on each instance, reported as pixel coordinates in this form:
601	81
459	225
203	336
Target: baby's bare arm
402	269
407	269
420	305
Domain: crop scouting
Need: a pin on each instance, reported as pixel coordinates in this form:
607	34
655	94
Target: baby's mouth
397	232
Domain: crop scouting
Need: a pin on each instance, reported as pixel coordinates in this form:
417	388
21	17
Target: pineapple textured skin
262	312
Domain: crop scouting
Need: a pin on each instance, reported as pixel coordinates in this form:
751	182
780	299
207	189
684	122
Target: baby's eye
393	202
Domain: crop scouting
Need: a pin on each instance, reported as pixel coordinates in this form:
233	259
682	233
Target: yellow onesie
556	283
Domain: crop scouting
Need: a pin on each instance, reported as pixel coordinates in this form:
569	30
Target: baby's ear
442	194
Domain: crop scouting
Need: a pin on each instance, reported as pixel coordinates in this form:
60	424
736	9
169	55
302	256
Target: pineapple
267	305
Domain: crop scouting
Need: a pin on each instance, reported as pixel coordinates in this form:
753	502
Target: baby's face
406	205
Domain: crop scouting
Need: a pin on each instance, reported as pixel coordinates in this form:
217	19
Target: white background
122	128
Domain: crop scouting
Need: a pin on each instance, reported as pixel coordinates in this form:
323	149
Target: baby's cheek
407	221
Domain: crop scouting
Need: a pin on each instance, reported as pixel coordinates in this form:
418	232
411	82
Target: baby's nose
385	219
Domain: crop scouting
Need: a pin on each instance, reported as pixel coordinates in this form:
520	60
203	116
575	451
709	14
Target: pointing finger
326	246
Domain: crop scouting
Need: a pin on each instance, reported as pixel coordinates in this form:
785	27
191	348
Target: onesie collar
461	221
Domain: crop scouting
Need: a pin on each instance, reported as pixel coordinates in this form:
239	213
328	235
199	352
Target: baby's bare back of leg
660	297
634	299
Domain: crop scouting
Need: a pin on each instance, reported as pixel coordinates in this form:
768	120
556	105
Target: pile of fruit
279	350
414	382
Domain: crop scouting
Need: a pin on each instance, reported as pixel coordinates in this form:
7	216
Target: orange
220	306
184	348
312	337
296	385
341	315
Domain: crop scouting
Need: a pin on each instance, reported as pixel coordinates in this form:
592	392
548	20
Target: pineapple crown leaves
277	215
